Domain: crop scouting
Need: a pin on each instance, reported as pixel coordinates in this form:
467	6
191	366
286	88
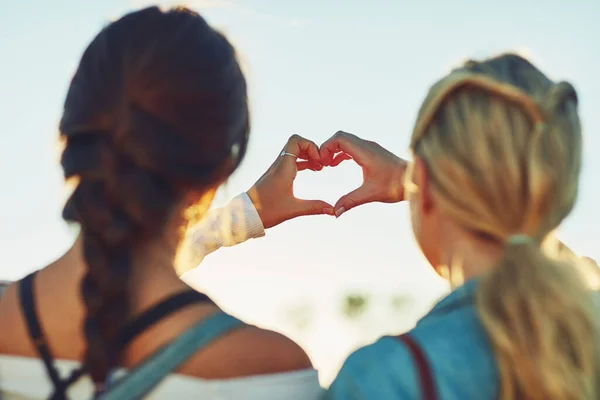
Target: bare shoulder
16	339
3	286
248	351
286	355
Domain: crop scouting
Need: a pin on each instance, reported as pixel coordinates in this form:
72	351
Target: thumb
357	197
313	207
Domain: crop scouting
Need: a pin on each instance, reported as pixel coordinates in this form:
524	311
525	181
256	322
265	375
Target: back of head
156	113
502	146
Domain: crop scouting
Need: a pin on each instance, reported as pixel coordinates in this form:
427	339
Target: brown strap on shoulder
428	390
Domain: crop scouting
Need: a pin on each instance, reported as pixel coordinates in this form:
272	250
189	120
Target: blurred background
314	67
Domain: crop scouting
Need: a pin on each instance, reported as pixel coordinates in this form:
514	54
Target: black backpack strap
426	381
29	308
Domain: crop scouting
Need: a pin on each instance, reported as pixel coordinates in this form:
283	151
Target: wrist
400	167
254	197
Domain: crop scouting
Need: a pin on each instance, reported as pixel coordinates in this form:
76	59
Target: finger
342	142
302	165
303	148
296	148
355	198
299	148
339	158
312	207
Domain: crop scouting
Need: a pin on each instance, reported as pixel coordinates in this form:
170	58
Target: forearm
233	224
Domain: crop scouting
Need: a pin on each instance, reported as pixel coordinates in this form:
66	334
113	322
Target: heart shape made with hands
383	171
273	194
330	183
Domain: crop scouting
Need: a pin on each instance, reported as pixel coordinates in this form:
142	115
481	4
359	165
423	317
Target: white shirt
26	378
233	224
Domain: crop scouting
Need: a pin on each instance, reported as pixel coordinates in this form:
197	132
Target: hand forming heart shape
273	195
383	172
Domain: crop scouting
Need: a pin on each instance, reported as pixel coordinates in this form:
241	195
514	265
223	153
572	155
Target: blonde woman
497	154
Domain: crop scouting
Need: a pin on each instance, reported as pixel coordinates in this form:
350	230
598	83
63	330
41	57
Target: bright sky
314	67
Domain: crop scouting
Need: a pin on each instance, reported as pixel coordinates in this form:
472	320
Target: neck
152	276
467	257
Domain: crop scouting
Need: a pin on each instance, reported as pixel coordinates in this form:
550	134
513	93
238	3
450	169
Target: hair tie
519	239
540	127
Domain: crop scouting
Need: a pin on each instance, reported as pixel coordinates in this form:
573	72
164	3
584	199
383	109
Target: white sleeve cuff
245	221
233	224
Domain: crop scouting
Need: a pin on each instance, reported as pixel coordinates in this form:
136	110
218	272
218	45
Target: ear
421	180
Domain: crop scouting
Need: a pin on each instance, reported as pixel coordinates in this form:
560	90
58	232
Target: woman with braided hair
155	119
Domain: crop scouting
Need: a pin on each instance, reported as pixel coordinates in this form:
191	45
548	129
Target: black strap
131	330
142	322
428	390
156	313
29	308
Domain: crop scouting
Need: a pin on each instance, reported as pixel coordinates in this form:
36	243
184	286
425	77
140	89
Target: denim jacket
455	346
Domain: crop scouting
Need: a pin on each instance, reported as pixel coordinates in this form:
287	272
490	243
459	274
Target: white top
26	378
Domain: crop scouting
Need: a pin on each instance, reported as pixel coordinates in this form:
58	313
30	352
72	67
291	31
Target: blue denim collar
460	296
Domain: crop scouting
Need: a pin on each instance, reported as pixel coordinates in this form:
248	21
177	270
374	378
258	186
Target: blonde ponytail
542	325
502	147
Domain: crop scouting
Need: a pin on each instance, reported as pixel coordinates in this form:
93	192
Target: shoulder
4	285
273	351
249	351
459	353
456	350
16	339
383	369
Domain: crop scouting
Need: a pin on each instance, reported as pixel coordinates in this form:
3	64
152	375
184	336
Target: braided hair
157	109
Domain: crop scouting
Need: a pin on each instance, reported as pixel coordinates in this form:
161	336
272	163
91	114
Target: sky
314	67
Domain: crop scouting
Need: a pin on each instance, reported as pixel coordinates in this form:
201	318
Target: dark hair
157	109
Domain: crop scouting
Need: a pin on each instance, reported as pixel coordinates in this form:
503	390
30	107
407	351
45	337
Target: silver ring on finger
285	153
